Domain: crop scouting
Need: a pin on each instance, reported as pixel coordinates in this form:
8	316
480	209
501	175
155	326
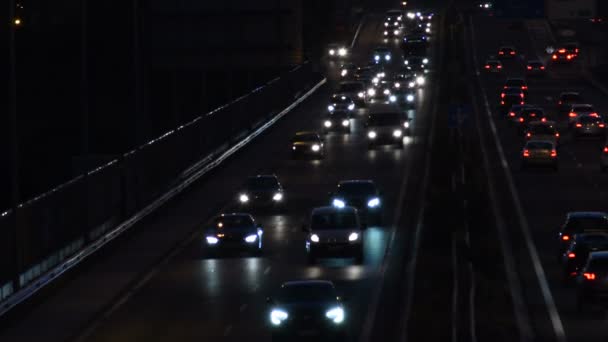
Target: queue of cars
378	93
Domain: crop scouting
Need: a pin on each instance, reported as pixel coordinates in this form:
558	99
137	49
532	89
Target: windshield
599	265
356	189
539	145
542	129
583	108
587	223
262	183
306	138
387	119
306	293
340	99
514	83
334	220
232	221
348	87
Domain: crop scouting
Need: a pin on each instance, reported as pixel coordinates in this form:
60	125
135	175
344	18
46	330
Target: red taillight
526	153
571	255
589	275
521	119
565	237
569	57
561	50
511	114
502	95
532	114
557	135
487	67
501	53
554	56
543	119
512	52
499	67
579	125
576	50
521	95
502	102
602	125
521	103
524	87
595	115
605	149
529	67
572	114
559	102
528	135
553	153
505	87
542	67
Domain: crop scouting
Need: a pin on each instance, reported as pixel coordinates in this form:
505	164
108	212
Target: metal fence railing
56	225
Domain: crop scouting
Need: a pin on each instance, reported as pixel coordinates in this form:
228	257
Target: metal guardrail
58	229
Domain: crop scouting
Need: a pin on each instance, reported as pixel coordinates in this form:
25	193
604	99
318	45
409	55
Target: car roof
512	90
493	61
590	236
546	142
331	209
357	181
534	61
569	93
315	282
603	255
507	47
579	214
342	96
582	105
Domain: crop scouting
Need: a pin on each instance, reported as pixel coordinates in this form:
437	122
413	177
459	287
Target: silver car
539	153
334	232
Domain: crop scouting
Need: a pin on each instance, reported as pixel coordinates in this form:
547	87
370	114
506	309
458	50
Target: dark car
386	128
507	52
515	111
361	194
529	114
381	92
589	126
419	64
578	222
539	153
592	281
565	53
261	191
381	55
575	256
307	144
347	71
493	66
535	68
340	102
233	231
337	122
510	97
307	309
567	99
516	83
354	90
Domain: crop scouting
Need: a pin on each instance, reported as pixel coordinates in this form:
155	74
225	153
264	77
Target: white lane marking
539	271
228	330
454	290
267	270
243	308
354	41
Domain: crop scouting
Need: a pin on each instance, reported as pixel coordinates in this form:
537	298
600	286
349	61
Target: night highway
460	237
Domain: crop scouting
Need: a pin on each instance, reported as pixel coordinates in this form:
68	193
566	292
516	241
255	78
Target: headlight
351	106
336	315
342	52
251	238
314	238
425	61
371	92
212	240
332	52
428	30
277	316
409	98
338	203
397	85
412	84
385	24
361	94
420	80
345	123
406	124
387	57
386	92
353	237
392	98
372	134
406	62
327	124
374	202
386	33
376	57
411	15
399	18
397	133
381	74
244	198
331	108
277	197
375	80
316	147
396	32
344	72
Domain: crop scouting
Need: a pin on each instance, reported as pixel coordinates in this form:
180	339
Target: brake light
502	95
521	119
579	125
589	275
557	135
572	114
559	102
502	102
595	115
528	135
532	114
543	119
554	56
487	66
576	50
524	87
521	95
505	87
511	114
553	153
529	67
571	255
561	50
602	125
526	153
521	103
501	53
512	52
499	67
565	237
542	67
569	57
605	149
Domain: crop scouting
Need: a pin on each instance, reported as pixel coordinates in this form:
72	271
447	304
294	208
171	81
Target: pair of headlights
213	240
396	133
277	197
314	238
335	314
372	203
328	123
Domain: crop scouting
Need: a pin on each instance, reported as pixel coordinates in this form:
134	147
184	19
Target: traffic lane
547	196
285	257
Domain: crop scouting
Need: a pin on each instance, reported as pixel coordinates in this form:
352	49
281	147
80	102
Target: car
535	68
404	95
414	45
566	99
307	309
354	90
516	83
565	53
391	32
539	153
336	50
591	284
261	191
340	102
575	256
412	38
409	80
507	52
365	75
307	144
510	97
580	109
493	66
589	126
234	231
347	71
361	194
334	232
394	15
381	55
417	63
515	111
381	92
337	121
386	127
528	114
604	158
542	131
578	222
485	6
